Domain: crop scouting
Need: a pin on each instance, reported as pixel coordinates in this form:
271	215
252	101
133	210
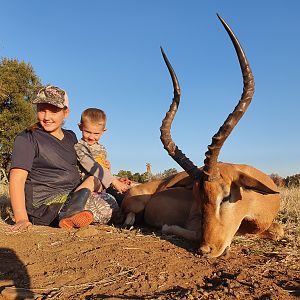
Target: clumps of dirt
105	262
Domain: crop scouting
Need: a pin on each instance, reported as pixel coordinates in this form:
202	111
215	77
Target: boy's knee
92	183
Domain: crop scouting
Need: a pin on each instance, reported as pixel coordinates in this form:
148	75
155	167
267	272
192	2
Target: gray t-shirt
51	163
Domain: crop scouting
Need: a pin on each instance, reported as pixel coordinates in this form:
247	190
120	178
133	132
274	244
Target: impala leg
181	232
275	232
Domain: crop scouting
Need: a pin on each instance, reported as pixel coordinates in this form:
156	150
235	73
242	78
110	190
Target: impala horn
165	128
210	162
210	168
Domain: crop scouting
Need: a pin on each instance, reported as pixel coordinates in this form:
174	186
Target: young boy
92	156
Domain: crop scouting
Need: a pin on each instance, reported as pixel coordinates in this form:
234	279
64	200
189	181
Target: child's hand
106	164
125	180
21	225
120	186
100	159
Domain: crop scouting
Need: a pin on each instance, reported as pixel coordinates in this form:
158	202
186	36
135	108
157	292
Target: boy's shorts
104	208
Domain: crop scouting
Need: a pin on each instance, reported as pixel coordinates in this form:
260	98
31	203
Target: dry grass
5	210
290	205
3	192
289	214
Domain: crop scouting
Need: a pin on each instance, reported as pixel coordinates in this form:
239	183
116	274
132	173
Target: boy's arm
17	180
120	186
91	166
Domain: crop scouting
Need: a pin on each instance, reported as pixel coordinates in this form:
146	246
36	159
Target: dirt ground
106	262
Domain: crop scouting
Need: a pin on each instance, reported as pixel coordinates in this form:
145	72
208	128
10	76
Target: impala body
209	204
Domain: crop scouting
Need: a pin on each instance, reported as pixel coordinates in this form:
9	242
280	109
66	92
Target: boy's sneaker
81	219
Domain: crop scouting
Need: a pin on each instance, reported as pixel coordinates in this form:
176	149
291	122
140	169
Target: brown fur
252	204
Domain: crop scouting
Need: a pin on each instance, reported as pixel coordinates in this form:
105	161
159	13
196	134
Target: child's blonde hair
94	115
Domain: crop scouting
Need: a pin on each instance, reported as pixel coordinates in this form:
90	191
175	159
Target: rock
87	232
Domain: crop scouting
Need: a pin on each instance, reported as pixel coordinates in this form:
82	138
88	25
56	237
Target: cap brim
39	101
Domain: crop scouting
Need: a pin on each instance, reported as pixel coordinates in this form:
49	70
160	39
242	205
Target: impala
212	203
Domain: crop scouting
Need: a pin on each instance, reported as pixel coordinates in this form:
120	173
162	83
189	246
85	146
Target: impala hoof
130	219
165	229
205	250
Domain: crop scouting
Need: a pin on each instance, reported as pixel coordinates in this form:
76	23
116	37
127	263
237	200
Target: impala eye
226	199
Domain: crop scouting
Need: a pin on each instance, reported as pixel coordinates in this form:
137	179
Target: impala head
217	186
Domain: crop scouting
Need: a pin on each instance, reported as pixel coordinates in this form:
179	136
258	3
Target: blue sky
105	53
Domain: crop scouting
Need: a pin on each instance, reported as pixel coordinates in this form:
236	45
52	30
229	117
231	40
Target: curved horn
165	128
210	162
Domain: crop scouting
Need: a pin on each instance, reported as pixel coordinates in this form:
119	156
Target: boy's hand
106	164
103	162
21	225
125	180
120	186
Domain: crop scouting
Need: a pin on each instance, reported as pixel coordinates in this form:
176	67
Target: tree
125	174
292	181
169	172
165	174
18	85
141	178
137	177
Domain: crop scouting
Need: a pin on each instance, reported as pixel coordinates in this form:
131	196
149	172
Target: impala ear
251	183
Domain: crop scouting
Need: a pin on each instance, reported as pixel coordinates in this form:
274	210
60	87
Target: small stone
255	285
241	276
209	285
87	232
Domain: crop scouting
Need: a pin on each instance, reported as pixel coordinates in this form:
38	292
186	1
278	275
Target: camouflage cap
52	95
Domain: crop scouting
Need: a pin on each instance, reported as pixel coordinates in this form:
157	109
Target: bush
292	181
